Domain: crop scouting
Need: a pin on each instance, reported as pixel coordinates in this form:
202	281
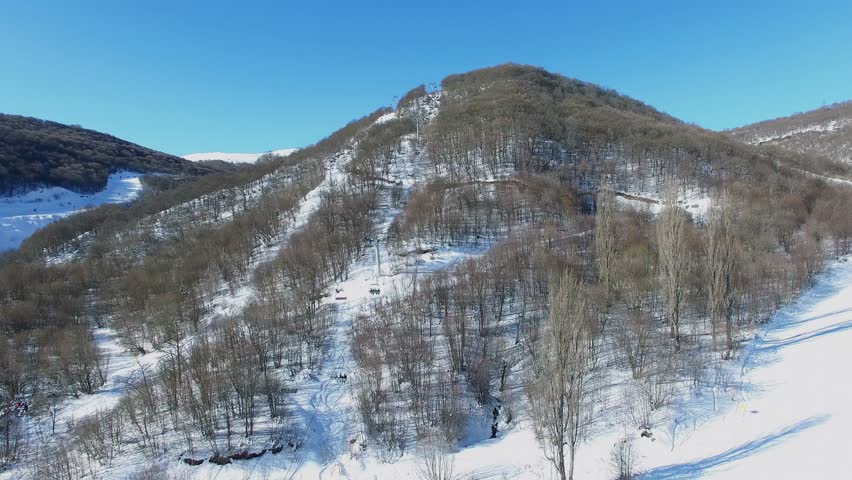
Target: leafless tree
671	241
623	459
720	269
634	337
558	383
435	462
605	242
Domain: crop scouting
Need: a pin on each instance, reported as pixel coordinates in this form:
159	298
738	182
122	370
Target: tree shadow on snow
816	317
764	351
699	467
827	284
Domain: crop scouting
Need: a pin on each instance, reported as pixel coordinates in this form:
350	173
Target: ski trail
326	403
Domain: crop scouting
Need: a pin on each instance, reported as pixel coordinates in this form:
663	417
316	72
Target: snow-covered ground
21	215
695	202
123	369
385	118
236	157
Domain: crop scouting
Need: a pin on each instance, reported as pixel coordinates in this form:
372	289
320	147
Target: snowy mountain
236	157
825	132
411	297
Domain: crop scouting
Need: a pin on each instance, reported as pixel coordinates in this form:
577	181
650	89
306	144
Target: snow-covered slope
236	157
763	416
778	135
826	132
781	415
790	416
124	366
21	215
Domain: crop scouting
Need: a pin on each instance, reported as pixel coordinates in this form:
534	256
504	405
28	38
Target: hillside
826	132
41	153
515	275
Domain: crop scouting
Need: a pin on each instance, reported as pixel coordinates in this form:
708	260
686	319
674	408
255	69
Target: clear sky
246	76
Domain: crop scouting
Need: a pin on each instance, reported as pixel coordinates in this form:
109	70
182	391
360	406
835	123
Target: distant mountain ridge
826	132
35	153
236	157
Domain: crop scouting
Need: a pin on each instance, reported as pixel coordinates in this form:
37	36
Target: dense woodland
36	152
575	286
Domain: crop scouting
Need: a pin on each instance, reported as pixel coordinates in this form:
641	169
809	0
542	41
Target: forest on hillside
594	285
35	152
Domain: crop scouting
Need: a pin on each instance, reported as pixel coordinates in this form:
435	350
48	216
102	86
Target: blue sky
253	76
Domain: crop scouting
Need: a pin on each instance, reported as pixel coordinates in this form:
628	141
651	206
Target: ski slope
21	215
236	157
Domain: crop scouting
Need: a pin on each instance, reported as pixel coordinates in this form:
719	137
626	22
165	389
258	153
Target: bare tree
720	259
623	459
634	337
671	241
557	384
435	462
605	243
83	365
